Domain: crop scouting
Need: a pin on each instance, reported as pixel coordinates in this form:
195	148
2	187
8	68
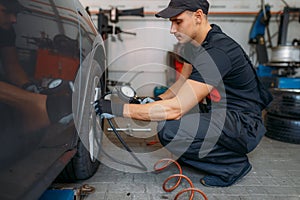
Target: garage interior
129	162
276	171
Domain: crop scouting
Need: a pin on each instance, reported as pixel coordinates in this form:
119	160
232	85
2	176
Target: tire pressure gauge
57	86
54	83
126	93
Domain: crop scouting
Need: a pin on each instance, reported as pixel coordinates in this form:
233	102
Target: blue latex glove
104	108
150	100
31	87
147	100
106	116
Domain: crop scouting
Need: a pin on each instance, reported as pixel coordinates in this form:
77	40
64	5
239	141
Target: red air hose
179	176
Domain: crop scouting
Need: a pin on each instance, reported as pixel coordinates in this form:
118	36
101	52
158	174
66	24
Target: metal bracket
130	130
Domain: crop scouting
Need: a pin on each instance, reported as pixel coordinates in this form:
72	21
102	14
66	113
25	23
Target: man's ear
199	15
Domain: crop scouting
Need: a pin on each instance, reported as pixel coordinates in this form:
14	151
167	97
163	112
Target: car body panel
53	38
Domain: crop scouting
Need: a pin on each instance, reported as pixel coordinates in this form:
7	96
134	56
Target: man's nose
13	18
173	28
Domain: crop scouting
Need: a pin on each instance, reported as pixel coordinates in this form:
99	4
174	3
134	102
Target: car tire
80	167
286	103
283	129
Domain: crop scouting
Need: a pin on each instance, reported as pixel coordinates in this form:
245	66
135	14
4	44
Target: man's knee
166	131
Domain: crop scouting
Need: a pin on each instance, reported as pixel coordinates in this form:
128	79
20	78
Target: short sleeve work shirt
222	63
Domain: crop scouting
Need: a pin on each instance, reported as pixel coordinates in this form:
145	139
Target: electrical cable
119	161
126	146
179	177
142	166
114	159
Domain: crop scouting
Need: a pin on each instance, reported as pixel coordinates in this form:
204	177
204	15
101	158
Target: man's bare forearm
173	90
156	111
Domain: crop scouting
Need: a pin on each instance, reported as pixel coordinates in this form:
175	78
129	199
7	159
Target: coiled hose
179	177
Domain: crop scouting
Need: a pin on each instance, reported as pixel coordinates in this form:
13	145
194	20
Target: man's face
183	27
7	18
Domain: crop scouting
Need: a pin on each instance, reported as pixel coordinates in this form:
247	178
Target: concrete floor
275	173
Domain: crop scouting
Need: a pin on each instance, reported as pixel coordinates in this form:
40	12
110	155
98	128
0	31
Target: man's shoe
215	181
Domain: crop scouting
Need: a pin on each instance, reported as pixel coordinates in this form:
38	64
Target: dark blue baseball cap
12	5
176	7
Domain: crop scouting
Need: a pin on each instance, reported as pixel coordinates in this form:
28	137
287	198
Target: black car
49	131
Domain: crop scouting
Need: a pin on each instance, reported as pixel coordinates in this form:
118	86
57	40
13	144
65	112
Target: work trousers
215	142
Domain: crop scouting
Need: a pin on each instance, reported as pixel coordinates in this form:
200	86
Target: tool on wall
112	15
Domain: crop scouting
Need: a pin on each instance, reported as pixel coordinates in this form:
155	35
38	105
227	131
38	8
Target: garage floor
275	173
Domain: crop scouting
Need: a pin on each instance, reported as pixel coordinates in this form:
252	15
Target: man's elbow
175	114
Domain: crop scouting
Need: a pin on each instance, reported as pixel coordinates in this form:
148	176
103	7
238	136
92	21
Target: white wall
215	5
144	55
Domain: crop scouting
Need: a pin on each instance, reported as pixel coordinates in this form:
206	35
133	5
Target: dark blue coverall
217	141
